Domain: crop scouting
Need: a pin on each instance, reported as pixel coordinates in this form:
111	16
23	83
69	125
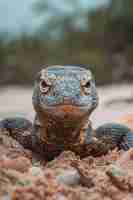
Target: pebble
68	177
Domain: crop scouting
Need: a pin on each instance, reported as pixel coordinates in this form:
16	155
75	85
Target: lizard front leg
120	134
19	129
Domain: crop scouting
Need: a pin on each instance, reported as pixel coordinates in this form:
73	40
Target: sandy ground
114	102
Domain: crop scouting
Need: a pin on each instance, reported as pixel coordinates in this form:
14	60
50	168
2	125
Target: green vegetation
101	38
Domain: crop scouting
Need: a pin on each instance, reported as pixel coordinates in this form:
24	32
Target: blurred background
97	34
94	33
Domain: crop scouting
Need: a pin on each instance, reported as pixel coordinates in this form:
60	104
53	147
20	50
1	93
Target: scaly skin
63	99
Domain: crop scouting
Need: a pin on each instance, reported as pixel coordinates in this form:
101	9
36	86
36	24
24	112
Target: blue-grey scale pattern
120	134
15	123
67	84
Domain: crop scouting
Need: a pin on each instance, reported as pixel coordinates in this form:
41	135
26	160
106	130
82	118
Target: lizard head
65	91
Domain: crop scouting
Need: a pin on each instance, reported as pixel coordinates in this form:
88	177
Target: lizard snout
67	100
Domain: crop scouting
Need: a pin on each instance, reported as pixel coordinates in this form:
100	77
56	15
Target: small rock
35	171
21	164
68	177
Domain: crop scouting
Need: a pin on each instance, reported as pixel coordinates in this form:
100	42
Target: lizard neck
64	133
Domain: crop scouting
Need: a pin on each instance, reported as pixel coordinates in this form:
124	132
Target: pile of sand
23	176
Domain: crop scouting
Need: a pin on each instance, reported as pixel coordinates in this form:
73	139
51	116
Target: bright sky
16	15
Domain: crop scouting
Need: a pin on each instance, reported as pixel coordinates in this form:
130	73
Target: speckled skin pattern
63	99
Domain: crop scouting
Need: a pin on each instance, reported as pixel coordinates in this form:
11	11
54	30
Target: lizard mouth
66	112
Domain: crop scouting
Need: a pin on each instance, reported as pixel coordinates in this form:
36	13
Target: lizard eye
87	87
44	86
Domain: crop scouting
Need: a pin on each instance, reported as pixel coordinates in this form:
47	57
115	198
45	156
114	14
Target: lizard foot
119	134
19	129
